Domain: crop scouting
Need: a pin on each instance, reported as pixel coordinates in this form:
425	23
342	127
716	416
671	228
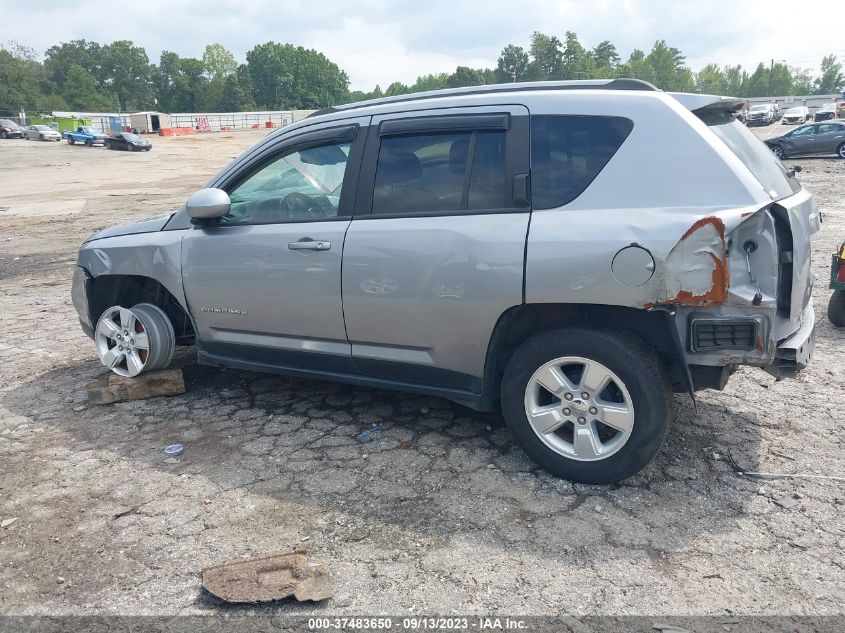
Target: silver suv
570	252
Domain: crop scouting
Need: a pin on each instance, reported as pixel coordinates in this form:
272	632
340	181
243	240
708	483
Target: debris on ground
369	434
268	577
7	522
669	628
174	449
787	502
113	388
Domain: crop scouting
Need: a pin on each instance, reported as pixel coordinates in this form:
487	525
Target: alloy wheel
122	342
579	408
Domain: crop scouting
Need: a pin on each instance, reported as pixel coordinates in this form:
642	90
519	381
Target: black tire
841	150
777	150
2	134
107	145
40	137
89	143
70	141
836	308
624	354
147	149
161	335
26	136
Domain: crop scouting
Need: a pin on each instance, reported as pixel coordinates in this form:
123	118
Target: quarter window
300	184
444	172
568	152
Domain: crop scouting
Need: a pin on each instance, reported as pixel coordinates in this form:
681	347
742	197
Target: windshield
8	123
132	137
43	128
88	130
767	169
759	108
795	111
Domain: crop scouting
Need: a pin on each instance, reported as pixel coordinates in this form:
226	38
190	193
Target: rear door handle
307	244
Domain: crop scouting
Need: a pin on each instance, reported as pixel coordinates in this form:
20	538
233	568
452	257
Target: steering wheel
298	206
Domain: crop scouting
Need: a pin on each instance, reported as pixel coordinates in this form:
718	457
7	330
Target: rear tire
836	308
581	447
841	151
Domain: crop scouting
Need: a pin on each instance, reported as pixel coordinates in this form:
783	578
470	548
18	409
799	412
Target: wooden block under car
114	388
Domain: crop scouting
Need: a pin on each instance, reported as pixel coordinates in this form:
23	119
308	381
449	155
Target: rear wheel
2	134
841	151
131	341
588	405
836	308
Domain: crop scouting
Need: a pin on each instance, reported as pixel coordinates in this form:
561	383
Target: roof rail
587	84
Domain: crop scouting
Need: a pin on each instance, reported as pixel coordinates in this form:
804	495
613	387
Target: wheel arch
105	291
519	323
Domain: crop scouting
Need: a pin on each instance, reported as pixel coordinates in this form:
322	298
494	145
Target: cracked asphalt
434	510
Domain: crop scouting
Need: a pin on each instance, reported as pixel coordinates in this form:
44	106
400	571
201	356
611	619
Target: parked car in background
742	115
42	133
10	129
809	140
128	141
455	243
85	134
796	116
761	114
825	113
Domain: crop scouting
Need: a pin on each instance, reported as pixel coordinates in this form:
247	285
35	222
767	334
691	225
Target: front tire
777	150
836	308
588	405
840	151
70	141
132	341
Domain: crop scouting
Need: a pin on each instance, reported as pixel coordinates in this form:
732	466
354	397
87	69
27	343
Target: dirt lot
437	513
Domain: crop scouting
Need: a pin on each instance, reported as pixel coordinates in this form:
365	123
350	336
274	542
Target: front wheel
836	308
777	150
107	145
841	151
70	141
131	341
588	405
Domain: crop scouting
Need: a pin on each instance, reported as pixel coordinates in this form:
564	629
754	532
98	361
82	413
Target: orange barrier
176	131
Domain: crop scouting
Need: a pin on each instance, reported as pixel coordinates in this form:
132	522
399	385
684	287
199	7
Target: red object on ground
268	124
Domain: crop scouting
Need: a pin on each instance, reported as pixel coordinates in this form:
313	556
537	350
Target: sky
378	42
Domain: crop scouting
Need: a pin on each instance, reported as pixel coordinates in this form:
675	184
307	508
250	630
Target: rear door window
568	152
443	172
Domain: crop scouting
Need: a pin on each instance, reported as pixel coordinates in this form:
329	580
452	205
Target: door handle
307	244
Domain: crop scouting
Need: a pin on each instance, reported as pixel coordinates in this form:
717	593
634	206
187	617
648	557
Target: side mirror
207	204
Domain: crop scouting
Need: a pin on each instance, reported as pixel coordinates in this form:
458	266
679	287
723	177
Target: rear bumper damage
795	352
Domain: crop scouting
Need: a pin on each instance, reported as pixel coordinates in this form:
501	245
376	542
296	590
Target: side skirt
476	401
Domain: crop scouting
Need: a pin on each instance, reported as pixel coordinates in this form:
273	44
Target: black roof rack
594	84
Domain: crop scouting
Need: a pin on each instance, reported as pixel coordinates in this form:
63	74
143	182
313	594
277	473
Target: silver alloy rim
122	342
842	150
777	151
579	408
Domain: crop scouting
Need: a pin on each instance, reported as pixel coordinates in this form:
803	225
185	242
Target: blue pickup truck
85	134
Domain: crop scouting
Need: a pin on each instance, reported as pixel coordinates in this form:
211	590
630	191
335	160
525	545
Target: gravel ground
438	512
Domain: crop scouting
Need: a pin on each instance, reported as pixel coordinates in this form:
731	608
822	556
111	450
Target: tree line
88	76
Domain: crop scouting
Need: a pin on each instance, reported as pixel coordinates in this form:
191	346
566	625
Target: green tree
605	55
59	58
831	79
802	80
295	77
233	98
666	63
80	91
711	80
546	56
430	82
576	61
396	88
736	81
219	63
126	71
637	67
780	80
20	80
512	64
464	76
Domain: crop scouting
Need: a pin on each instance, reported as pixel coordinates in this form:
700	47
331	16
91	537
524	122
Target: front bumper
795	352
79	297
